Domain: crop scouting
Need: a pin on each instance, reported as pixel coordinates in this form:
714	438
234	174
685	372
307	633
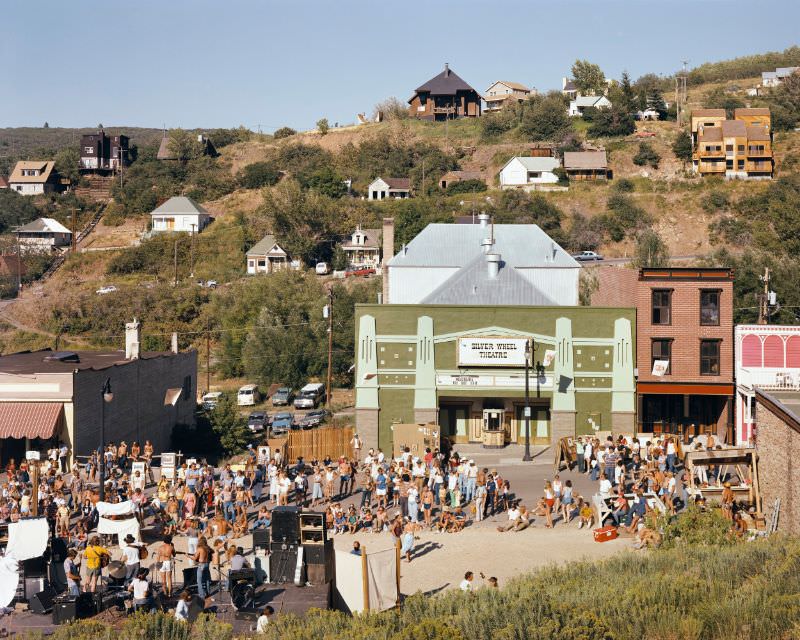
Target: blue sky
197	63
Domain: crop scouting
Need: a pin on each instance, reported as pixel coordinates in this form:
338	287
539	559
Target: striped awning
30	419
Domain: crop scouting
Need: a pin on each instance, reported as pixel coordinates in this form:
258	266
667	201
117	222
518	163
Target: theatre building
52	397
684	329
463	366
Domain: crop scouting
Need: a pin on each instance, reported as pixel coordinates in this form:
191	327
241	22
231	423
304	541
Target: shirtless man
166	556
202	557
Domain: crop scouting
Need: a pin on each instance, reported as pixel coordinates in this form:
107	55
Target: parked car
322	268
359	271
310	396
210	400
587	256
313	419
109	288
208	284
281	423
257	421
282	397
248	395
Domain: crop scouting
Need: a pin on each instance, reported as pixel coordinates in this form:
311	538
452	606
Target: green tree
391	109
612	122
323	126
326	182
283	132
720	99
229	425
588	77
651	250
646	156
46	125
258	175
655	101
626	97
184	145
545	118
682	145
66	163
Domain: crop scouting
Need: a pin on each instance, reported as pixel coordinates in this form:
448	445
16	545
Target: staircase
95	188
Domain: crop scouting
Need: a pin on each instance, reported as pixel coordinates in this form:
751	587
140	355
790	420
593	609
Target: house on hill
569	88
738	148
101	153
389	188
364	248
581	103
34	177
586	165
267	256
166	153
502	93
451	177
43	233
179	214
528	172
443	97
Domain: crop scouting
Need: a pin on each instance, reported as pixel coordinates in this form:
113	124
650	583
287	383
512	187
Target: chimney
132	339
493	264
446	69
388	254
486	245
563	83
483	219
174	342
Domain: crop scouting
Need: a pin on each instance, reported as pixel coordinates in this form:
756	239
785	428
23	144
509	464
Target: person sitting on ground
381	520
445	523
352	519
459	519
638	510
263	519
339	521
585	513
366	520
140	588
240	526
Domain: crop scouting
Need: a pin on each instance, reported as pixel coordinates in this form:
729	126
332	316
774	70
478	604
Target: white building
364	248
525	171
390	188
449	263
44	233
577	106
777	77
180	214
34	177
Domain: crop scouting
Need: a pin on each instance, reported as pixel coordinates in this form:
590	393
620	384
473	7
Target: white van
210	400
248	395
322	268
310	396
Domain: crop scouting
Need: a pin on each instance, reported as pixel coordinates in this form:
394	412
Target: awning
30	419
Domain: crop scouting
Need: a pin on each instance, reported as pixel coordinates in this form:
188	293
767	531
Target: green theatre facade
463	368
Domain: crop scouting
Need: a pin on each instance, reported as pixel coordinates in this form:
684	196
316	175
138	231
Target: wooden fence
315	444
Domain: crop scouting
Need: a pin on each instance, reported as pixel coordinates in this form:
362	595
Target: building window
661	349
741	148
709	308
662	303
729	148
89	150
740	164
709	357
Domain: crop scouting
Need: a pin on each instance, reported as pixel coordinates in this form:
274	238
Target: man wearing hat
131	552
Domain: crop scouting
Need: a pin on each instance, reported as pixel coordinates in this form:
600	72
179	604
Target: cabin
445	97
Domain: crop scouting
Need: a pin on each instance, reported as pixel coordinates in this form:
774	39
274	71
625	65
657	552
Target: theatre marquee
491	352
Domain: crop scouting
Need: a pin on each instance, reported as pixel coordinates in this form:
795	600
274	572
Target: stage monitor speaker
190	578
286	524
261	538
65	610
196	607
42	602
34	585
282	566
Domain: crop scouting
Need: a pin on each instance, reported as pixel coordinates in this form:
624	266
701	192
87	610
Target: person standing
94	553
355	443
165	555
72	573
202	557
131	553
63	453
579	453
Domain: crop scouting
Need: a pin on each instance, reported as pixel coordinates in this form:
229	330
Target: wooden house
443	97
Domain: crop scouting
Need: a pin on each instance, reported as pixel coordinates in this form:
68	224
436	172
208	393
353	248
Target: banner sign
513	382
491	352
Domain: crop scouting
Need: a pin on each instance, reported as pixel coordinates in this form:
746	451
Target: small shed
586	165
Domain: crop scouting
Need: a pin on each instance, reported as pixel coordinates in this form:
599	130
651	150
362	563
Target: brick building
778	439
684	345
49	397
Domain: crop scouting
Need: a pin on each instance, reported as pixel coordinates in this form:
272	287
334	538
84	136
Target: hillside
293	188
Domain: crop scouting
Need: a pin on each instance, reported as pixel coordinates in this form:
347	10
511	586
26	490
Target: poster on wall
660	367
549	356
491	352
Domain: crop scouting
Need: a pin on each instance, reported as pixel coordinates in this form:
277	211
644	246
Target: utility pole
528	355
208	354
191	253
763	299
74	240
175	263
330	346
423	176
19	267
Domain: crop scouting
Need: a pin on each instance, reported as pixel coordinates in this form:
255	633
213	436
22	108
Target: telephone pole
73	239
191	253
330	346
763	299
208	355
175	263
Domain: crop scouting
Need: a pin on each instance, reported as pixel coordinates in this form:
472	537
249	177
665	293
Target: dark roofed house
389	189
364	248
101	153
586	165
443	97
165	151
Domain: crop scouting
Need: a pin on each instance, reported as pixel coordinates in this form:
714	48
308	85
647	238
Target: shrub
545	118
465	186
612	122
229	425
623	185
651	250
715	201
646	156
696	527
323	126
682	145
283	132
258	174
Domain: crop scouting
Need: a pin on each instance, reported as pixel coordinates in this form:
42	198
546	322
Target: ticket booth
494	428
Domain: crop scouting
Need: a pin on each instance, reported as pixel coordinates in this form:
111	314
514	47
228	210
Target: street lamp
107	396
528	355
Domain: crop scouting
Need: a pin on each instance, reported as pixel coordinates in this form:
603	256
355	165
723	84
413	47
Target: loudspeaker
102	600
286	524
33	586
320	565
190	578
35	567
283	546
65	610
261	538
282	566
318	553
196	607
42	602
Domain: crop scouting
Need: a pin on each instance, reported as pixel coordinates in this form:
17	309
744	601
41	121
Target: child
352	519
585	513
339	522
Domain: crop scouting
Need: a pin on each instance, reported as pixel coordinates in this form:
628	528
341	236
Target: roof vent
487	244
483	219
446	69
493	265
404	249
62	356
